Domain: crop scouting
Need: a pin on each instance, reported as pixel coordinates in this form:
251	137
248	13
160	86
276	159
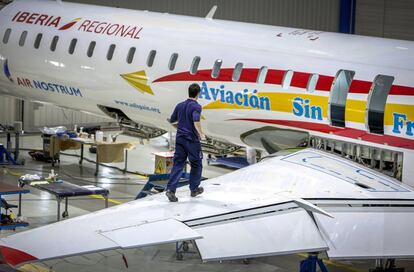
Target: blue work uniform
187	144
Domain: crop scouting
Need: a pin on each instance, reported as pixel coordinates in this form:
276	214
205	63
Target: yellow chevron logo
139	81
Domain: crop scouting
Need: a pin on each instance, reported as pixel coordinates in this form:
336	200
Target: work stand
182	248
12	190
311	263
386	266
6	157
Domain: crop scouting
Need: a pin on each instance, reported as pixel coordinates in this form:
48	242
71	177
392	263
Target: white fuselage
230	108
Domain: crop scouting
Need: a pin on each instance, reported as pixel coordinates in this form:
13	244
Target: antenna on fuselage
211	13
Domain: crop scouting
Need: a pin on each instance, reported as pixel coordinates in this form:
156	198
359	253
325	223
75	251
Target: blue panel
13	226
347	16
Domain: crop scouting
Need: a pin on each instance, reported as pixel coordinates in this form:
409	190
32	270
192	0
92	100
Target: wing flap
149	234
368	234
280	233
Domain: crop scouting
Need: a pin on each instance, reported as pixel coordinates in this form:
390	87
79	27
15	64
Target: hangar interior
125	180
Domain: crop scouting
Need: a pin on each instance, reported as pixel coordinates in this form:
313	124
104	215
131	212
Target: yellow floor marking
33	268
16	174
142	176
109	200
336	264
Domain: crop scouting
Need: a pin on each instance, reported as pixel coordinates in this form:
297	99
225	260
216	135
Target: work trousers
186	148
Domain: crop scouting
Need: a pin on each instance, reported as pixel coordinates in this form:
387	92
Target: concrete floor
39	208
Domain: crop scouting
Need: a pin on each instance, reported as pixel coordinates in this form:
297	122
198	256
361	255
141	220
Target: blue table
63	190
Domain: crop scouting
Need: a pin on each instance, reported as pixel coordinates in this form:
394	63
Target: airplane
266	87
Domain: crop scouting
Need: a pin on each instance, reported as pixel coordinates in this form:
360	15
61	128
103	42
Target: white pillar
251	155
171	140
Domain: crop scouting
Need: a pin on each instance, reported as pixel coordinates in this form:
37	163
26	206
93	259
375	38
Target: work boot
171	196
197	192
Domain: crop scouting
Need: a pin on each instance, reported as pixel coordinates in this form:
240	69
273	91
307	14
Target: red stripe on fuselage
324	83
360	86
275	77
343	132
299	80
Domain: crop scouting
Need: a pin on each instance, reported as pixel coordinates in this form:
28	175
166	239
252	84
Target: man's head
193	90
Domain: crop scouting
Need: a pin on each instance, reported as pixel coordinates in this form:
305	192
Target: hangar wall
48	115
313	14
8	110
385	18
38	115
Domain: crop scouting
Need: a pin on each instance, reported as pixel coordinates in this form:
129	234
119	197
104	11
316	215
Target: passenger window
38	40
194	65
377	98
111	52
131	54
72	46
337	97
287	79
173	61
151	58
312	83
216	69
237	71
261	77
23	38
54	43
91	49
6	36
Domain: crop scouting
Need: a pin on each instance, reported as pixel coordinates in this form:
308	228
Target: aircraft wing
303	202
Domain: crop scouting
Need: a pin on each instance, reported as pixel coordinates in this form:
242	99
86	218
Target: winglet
211	13
310	207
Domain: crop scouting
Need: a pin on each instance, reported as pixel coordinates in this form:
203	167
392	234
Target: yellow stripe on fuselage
390	109
355	109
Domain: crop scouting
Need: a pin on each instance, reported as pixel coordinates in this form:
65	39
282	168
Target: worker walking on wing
189	134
